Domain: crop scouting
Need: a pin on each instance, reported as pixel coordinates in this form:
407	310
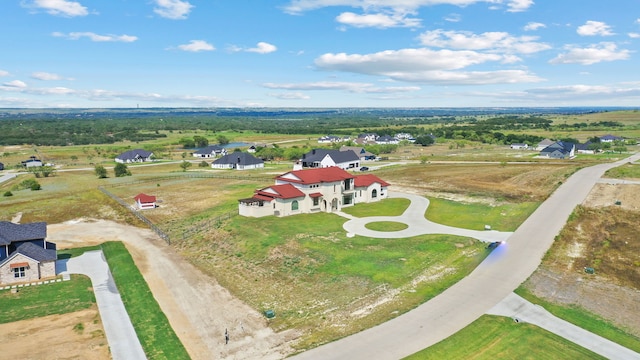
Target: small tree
203	164
121	170
185	165
424	140
100	171
8	193
222	140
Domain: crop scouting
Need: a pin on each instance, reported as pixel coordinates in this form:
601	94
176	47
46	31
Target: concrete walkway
518	308
413	216
122	338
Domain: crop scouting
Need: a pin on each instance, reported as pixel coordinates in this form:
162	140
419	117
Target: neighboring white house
610	138
32	162
238	160
210	151
314	190
319	158
519	146
25	254
135	155
144	201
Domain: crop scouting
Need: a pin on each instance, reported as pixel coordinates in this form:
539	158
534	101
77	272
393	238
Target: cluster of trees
119	170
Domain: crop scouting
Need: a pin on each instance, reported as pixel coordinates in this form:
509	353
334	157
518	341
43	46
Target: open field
322	284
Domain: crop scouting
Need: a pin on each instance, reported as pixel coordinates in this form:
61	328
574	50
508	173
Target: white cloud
593	28
96	37
425	66
290	96
519	5
533	26
593	54
399	6
581	92
492	41
45	76
173	9
378	20
634	35
4	73
58	7
196	46
263	48
15	84
353	87
453	18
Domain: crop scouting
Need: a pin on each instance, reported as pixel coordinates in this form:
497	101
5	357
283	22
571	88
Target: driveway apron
122	338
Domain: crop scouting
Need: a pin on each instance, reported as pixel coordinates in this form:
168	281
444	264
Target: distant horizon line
326	107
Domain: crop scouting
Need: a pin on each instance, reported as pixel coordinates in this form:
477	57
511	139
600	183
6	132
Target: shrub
7	193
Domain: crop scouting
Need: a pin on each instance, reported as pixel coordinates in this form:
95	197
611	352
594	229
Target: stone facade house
25	255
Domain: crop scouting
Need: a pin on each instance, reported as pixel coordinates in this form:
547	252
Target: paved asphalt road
122	338
501	272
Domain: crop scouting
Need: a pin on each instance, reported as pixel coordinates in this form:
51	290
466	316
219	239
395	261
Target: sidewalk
520	309
122	338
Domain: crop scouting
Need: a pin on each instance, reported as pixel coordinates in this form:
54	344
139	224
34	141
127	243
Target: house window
374	193
316	201
294	205
19	272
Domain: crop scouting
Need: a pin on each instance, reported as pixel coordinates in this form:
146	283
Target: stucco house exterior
25	255
313	190
144	201
239	161
519	146
210	152
135	155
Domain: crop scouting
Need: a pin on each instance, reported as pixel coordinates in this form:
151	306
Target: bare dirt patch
198	308
603	236
77	335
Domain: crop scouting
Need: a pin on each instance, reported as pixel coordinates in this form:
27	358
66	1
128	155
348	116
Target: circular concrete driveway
414	218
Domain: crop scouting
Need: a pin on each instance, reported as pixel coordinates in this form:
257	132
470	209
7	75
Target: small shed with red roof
144	201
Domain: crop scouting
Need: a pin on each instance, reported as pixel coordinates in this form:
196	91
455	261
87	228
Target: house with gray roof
239	161
320	158
25	254
559	150
610	138
210	152
135	155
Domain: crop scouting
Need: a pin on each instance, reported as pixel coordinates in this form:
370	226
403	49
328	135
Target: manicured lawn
585	320
386	207
475	216
46	299
496	337
386	226
152	327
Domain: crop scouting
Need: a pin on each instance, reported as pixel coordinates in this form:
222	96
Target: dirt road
198	308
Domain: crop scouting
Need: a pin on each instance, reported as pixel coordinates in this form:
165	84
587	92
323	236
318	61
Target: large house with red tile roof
327	189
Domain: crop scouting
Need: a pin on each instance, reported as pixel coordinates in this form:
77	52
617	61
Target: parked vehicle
364	168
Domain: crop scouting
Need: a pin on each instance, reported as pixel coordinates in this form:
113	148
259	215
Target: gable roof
36	252
610	137
134	154
211	149
10	232
368	179
545	142
237	157
561	146
144	198
315	175
316	155
283	191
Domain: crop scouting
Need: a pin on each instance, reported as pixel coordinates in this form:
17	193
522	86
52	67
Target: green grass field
152	327
47	299
496	337
475	216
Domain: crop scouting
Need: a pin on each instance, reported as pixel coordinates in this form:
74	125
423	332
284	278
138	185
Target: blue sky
319	53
